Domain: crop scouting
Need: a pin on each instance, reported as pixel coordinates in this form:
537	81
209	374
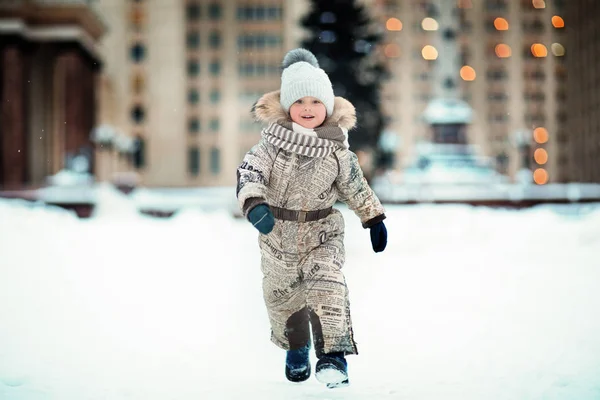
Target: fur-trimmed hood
268	109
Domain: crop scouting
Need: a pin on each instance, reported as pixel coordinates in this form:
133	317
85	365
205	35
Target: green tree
342	37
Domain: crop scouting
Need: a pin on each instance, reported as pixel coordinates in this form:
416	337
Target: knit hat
302	77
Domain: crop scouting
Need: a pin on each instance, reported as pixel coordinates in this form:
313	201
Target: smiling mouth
308	117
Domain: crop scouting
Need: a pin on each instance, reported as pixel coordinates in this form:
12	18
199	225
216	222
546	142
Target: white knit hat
302	77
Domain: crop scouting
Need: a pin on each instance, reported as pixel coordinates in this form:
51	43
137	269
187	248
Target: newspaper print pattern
301	265
302	261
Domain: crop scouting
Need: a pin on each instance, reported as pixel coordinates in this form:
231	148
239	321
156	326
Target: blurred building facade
181	78
583	40
508	66
49	65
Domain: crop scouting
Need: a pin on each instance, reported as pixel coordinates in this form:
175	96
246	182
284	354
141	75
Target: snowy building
49	64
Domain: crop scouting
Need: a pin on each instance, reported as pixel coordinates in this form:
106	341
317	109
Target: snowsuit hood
268	109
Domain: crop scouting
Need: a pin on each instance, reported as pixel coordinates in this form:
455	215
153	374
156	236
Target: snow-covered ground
466	303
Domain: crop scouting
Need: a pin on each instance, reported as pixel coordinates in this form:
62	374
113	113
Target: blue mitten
378	237
262	218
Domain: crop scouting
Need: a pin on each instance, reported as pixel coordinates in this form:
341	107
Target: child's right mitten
262	218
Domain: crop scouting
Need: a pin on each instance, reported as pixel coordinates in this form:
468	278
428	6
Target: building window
258	13
537	75
193	12
138	52
215	96
193	40
214	40
139	152
193	96
273	13
495	5
535	119
533	26
194	161
215	161
214	125
194	125
138	114
214	11
258	41
215	68
497	96
497	118
193	68
496	74
534	96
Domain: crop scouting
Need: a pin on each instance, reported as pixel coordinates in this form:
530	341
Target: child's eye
316	101
299	101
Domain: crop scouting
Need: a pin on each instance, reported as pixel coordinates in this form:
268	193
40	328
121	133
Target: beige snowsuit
302	261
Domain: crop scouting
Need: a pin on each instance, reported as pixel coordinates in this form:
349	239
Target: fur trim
268	109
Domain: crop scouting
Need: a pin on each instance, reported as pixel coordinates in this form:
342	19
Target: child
286	187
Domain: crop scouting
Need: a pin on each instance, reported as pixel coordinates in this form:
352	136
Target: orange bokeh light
392	50
503	50
540	135
501	24
540	156
429	52
558	22
539	50
467	73
540	176
539	3
393	24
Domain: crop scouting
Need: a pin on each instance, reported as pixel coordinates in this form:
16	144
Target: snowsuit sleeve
353	189
253	176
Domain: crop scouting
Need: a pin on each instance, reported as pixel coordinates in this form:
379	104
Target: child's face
308	112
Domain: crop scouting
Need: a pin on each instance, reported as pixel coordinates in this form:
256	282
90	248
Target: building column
79	105
13	150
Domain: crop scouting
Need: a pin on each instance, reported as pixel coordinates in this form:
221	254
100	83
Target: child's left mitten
378	237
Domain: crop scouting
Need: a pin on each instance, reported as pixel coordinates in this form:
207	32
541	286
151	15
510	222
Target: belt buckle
302	216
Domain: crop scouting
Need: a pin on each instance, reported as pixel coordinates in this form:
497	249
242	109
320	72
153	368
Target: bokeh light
393	24
468	73
540	135
392	50
540	176
429	52
539	50
429	24
540	156
501	24
503	50
558	22
558	49
538	3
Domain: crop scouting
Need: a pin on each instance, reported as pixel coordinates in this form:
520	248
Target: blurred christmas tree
342	37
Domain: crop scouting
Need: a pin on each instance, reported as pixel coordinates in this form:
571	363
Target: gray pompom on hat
302	77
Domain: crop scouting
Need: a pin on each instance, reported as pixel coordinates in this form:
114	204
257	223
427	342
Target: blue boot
297	364
332	369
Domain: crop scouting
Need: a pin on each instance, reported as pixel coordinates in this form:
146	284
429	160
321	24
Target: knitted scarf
329	139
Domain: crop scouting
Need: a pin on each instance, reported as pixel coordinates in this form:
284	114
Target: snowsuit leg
302	282
285	301
327	298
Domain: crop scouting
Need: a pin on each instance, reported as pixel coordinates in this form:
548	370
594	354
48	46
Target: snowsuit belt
299	216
